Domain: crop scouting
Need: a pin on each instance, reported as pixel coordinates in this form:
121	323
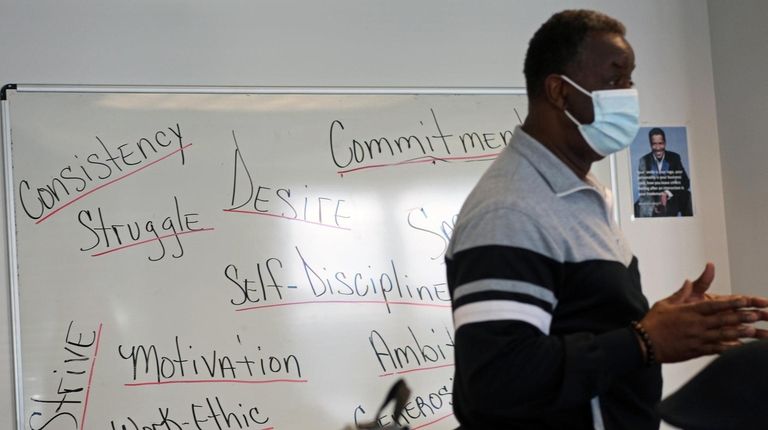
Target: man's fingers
711	307
758	302
681	295
728	334
702	283
730	318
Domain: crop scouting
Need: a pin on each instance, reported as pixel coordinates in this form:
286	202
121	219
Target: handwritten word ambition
413	354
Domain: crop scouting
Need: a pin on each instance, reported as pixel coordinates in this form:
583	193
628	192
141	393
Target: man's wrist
646	345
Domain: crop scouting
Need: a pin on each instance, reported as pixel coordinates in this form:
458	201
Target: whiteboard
219	258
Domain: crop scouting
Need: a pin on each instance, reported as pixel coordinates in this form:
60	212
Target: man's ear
555	91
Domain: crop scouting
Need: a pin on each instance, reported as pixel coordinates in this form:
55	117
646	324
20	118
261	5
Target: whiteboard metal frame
12	263
134	89
38	88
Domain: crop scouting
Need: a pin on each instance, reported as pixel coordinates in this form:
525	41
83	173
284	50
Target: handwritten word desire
282	201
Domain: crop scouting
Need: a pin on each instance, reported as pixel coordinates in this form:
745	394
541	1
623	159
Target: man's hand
690	323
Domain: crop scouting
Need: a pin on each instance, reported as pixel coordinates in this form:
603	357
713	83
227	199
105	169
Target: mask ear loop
578	87
575	85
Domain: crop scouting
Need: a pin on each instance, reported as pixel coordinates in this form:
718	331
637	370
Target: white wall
395	43
740	61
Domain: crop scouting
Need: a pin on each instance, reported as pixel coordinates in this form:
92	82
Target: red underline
150	240
421	160
344	302
214	381
109	183
284	217
415	370
431	422
90	378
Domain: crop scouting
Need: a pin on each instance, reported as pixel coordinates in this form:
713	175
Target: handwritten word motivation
421	352
96	170
74	384
282	201
110	237
424	410
354	153
212	413
187	365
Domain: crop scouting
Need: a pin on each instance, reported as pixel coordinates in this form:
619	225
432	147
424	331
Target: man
552	328
664	171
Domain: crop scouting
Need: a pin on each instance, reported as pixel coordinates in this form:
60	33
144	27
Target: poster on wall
661	186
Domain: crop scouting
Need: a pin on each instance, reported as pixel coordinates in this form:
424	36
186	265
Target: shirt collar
560	178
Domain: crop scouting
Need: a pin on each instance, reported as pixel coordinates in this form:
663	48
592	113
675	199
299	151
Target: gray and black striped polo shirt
544	288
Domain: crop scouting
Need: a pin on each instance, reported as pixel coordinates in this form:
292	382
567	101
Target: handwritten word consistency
348	150
88	171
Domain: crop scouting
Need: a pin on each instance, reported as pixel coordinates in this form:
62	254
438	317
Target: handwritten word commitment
348	151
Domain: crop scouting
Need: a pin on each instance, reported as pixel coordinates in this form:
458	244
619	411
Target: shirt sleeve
504	274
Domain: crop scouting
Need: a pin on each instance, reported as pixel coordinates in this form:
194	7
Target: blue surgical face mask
617	119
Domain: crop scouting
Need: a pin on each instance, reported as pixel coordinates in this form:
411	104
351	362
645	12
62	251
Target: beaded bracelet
650	352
